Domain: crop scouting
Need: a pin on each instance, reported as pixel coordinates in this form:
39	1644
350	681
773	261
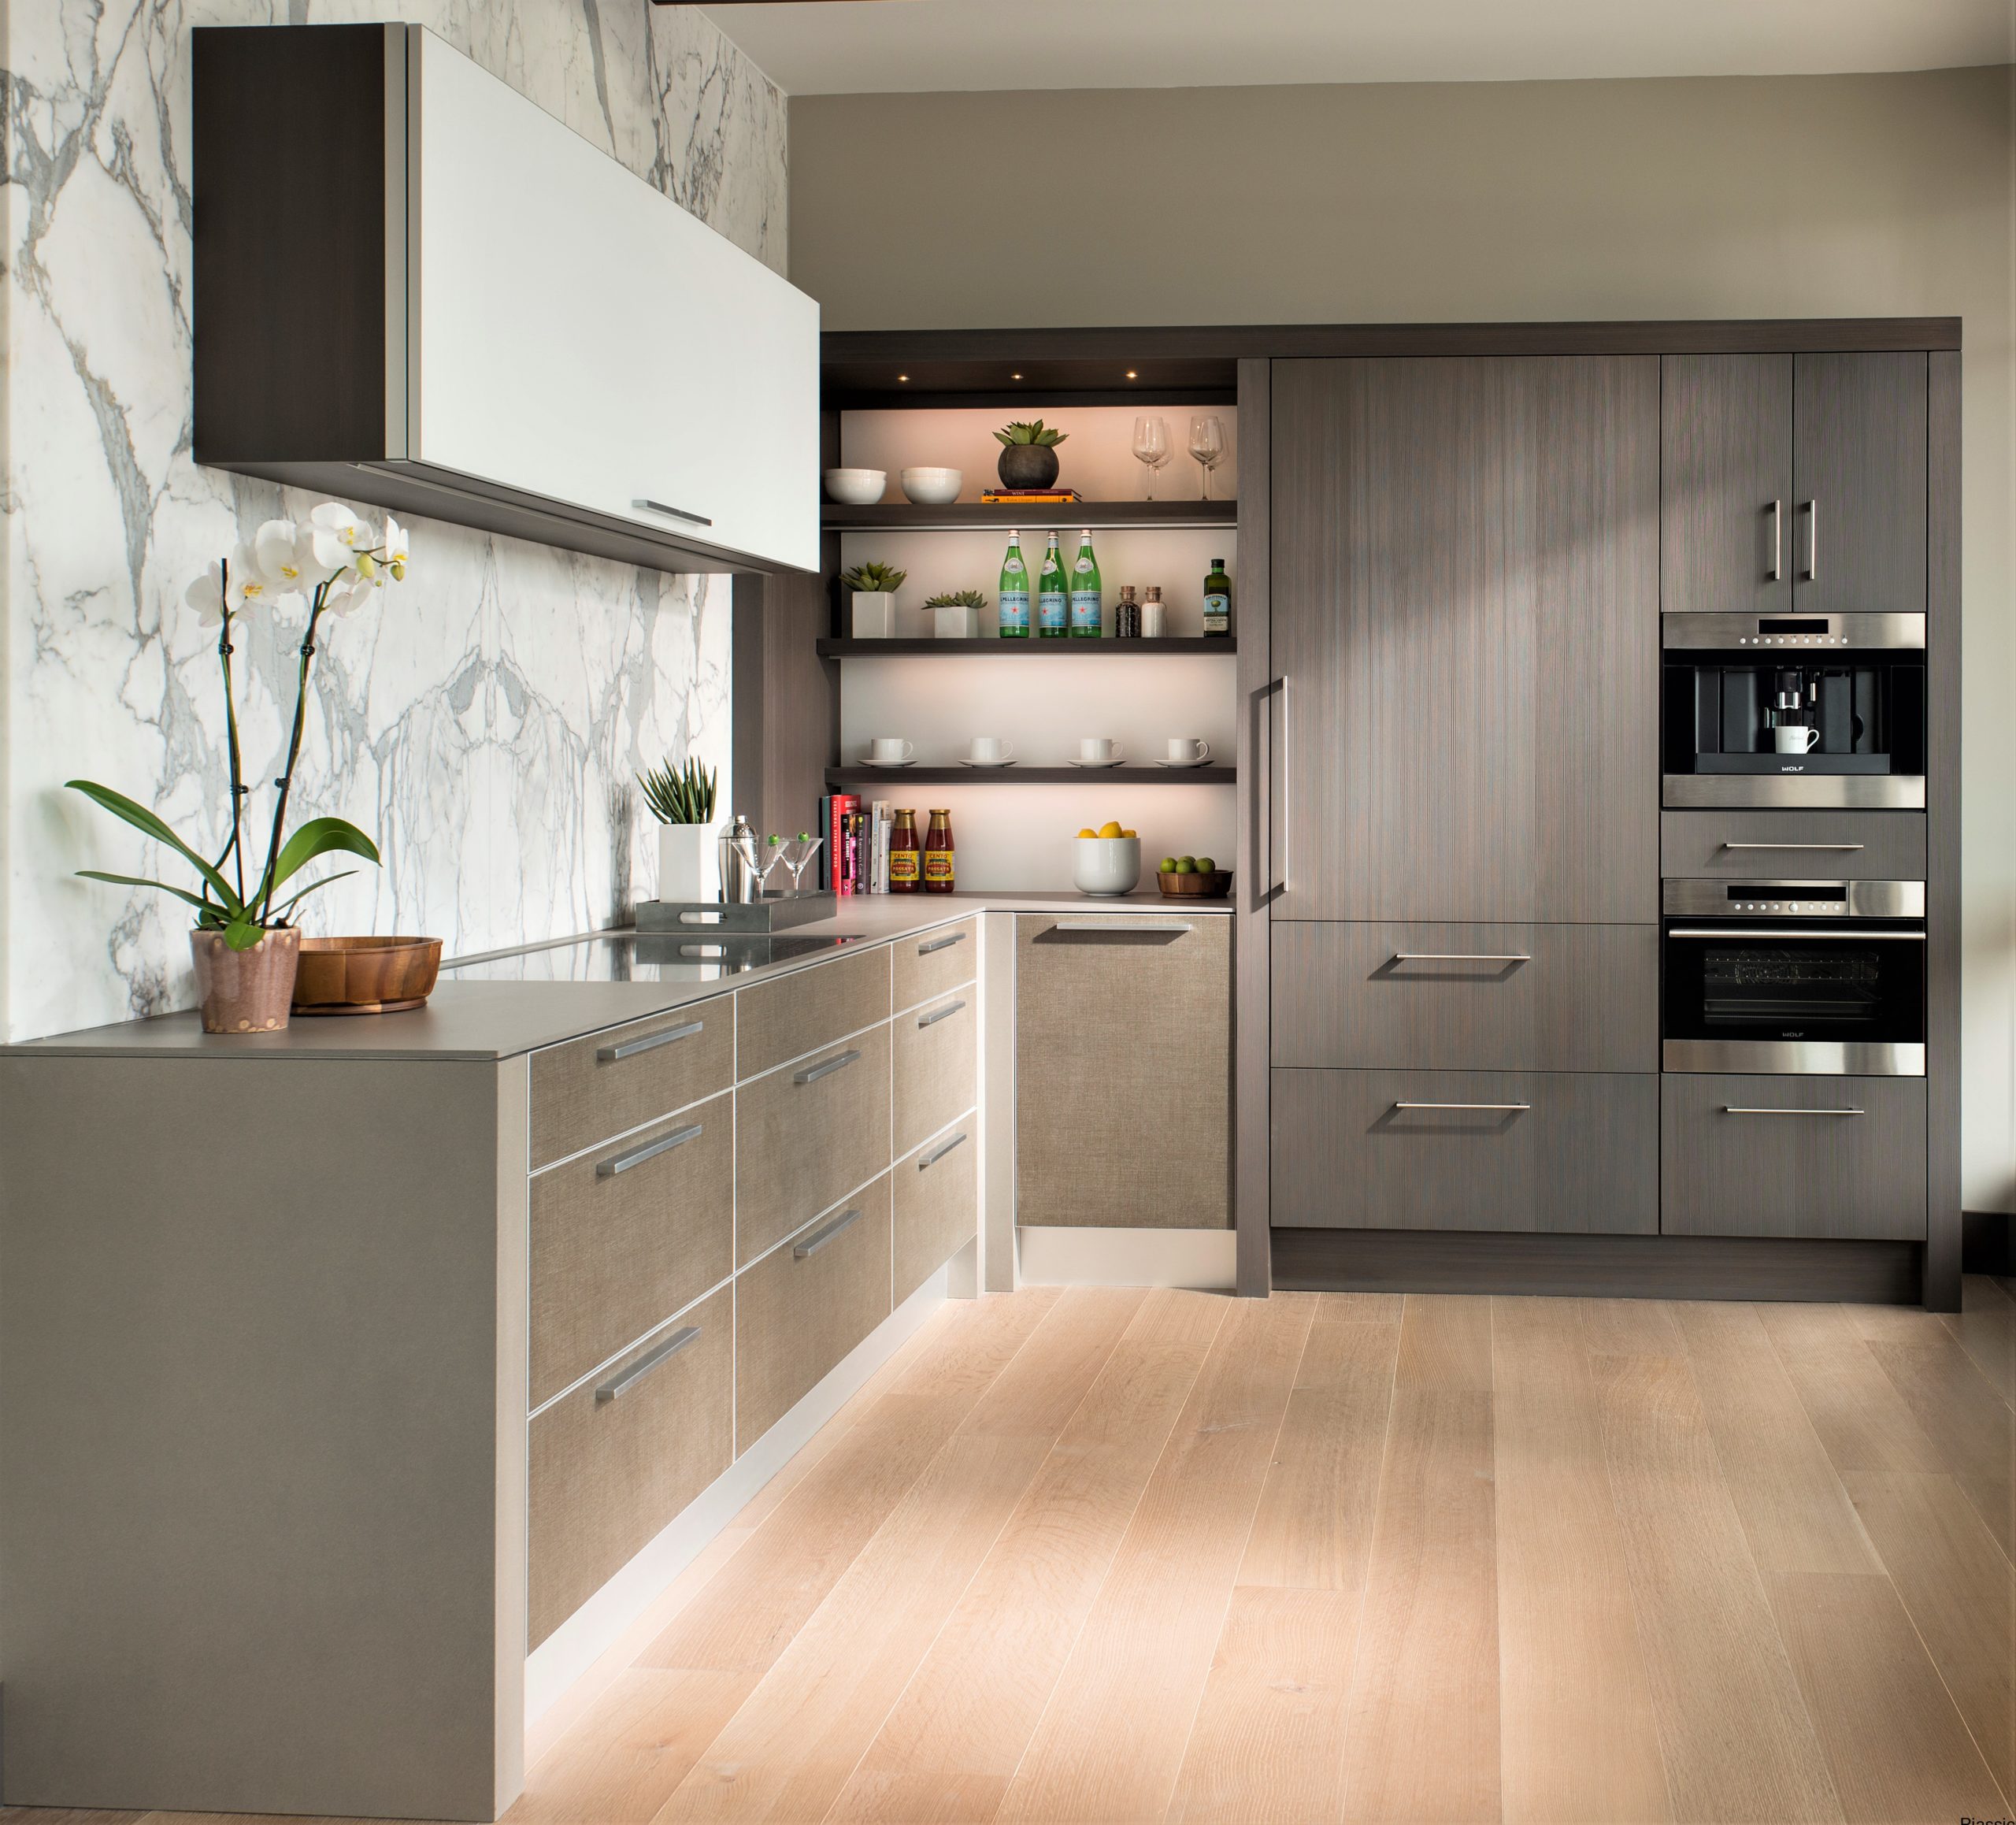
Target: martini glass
798	854
774	847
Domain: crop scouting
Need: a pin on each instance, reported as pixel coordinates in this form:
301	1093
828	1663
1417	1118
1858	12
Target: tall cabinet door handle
1263	789
1812	541
1778	571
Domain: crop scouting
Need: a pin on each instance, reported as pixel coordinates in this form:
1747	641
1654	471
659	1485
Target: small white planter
689	865
955	623
875	615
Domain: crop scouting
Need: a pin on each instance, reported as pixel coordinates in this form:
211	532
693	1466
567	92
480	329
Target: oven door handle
1796	937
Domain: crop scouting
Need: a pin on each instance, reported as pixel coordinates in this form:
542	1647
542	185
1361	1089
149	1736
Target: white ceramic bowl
1105	866
933	487
857	488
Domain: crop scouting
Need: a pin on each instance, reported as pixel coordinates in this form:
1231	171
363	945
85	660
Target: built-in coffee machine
1794	710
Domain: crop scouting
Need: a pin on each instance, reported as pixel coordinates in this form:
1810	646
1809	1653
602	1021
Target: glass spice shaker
1127	615
1155	618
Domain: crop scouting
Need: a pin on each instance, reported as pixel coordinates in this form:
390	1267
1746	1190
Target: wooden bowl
365	975
1215	885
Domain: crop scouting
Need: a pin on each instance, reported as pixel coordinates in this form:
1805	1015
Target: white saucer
890	764
1184	765
1095	765
986	765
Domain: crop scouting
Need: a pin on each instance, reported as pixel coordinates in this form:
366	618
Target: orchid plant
333	560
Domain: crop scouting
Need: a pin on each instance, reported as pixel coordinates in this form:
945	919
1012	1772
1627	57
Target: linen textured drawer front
934	963
800	1012
1567	1152
937	1200
625	1235
1792	845
806	1135
591	1089
804	1306
617	1459
1818	1157
1466	997
937	1059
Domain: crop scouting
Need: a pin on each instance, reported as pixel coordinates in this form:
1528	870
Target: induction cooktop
633	956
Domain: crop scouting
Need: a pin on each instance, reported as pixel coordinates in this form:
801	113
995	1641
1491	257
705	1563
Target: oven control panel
1794	900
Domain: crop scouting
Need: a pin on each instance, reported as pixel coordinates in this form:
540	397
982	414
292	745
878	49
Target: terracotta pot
246	991
366	975
1028	466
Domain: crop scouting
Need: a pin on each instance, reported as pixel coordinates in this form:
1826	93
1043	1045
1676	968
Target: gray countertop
486	1020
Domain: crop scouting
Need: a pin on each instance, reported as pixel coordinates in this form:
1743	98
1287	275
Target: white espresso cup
1097	749
1188	751
888	748
988	750
1795	738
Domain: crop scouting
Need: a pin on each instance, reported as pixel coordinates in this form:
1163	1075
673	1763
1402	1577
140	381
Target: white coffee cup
889	748
1097	749
1188	751
989	751
1795	738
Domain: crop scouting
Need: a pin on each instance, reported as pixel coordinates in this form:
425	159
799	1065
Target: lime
1206	866
1186	865
1166	865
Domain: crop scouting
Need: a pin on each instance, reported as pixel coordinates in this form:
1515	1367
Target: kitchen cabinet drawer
808	1134
1578	1152
801	1308
800	1012
937	1057
933	962
621	1456
937	1205
1123	1078
625	1235
1772	1156
1792	845
590	1090
1466	997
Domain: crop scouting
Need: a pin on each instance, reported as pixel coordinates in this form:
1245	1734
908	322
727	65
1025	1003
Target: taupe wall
1886	195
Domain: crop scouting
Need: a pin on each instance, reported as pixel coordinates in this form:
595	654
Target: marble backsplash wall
484	719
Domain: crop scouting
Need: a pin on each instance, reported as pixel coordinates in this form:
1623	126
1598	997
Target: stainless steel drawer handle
1777	573
938	1013
673	512
1736	1109
825	1067
937	1153
644	1364
813	1243
1157	926
651	1150
1845	848
1510	1106
1462	956
941	943
1847	934
629	1048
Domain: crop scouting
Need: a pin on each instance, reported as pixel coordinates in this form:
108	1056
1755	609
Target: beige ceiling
812	47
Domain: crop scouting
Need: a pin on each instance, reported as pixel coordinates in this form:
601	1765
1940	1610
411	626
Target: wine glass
1207	445
797	853
1151	447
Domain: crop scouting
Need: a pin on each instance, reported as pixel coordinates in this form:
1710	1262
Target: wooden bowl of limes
1192	877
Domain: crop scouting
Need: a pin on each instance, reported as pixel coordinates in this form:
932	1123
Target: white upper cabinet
528	338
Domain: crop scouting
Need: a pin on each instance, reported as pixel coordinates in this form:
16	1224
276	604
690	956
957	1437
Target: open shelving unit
986	515
991	647
1130	774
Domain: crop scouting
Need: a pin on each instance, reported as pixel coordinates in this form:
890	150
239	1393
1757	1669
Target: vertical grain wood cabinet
1465	616
1794	483
1123	1075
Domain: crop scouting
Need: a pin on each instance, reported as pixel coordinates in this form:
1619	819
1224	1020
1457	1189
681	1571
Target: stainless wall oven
1810	977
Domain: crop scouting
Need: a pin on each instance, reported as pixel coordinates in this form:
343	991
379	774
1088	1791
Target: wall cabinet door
1465	612
1725	492
1858	455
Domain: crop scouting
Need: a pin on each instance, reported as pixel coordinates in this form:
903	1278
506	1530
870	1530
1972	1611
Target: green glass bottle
1014	611
1052	596
1087	617
1217	601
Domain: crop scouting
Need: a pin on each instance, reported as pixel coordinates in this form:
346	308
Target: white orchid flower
348	529
347	593
397	555
283	556
206	596
323	550
249	584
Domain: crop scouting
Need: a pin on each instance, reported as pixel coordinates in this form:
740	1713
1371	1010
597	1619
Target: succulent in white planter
873	587
955	613
682	800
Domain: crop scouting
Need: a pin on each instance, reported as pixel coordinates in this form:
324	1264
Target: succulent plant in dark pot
1029	454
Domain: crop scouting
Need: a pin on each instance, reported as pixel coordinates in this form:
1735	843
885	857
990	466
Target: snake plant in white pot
246	945
682	800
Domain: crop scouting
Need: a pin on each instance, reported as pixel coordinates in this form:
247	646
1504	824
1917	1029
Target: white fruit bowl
933	487
1106	867
857	488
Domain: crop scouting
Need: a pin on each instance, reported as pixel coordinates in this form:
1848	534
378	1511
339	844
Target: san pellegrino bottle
1052	596
1086	616
1014	611
1217	600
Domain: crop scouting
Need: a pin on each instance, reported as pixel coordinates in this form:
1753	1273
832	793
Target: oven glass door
1814	996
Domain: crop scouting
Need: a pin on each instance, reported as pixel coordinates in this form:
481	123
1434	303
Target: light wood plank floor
1112	1556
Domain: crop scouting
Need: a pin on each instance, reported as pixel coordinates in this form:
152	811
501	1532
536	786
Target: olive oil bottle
1217	601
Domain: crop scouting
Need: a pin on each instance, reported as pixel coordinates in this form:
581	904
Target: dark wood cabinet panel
1465	595
1726	1170
1466	997
1792	845
1725	485
1582	1157
1858	465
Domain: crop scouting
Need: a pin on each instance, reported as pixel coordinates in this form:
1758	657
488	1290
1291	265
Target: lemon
1110	828
1088	832
1135	834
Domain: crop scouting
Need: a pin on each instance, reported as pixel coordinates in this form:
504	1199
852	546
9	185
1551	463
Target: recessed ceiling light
1132	375
903	376
1014	376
